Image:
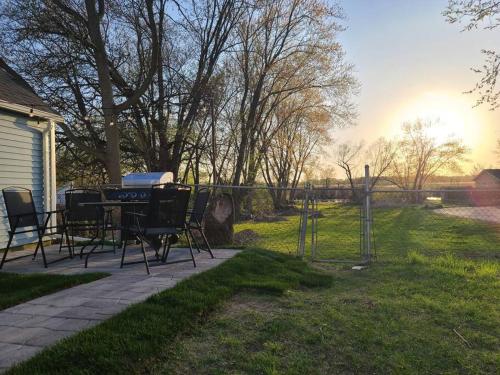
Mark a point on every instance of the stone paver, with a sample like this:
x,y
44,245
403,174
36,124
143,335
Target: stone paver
x,y
27,328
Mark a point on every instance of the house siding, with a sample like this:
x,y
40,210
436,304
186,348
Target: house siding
x,y
21,164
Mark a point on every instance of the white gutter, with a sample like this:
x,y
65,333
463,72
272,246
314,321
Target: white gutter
x,y
53,183
49,168
30,111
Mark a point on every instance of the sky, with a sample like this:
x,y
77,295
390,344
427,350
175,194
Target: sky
x,y
412,64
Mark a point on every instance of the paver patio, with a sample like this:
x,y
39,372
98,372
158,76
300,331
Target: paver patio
x,y
29,327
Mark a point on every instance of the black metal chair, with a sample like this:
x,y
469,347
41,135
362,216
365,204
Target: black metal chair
x,y
165,218
196,217
82,215
23,219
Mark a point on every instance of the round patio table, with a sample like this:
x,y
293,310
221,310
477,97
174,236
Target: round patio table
x,y
113,203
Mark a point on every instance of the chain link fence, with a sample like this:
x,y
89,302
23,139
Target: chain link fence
x,y
356,224
264,217
314,223
464,222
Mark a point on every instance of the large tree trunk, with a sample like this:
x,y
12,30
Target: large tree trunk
x,y
112,154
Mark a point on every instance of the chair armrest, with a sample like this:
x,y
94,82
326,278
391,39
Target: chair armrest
x,y
55,211
21,215
135,214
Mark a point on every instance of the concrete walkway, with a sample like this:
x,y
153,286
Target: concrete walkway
x,y
27,328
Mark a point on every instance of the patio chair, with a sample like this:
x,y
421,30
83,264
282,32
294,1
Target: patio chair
x,y
196,218
24,219
165,218
93,218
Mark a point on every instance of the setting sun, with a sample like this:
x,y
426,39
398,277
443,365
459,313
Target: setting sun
x,y
452,116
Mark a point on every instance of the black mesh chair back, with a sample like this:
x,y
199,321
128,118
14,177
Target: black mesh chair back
x,y
168,207
20,207
23,218
78,213
199,206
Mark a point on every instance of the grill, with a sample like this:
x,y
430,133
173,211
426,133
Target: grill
x,y
137,186
146,179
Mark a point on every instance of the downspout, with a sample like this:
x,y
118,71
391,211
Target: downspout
x,y
49,168
53,183
46,168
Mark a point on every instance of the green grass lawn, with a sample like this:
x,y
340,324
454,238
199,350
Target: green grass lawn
x,y
17,288
396,231
400,317
428,305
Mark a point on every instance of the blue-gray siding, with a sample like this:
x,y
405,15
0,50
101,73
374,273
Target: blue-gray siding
x,y
21,164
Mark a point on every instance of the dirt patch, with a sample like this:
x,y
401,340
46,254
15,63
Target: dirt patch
x,y
244,303
245,237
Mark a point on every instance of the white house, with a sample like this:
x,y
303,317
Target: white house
x,y
27,145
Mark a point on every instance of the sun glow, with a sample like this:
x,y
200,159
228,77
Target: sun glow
x,y
451,114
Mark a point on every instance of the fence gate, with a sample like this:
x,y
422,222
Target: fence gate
x,y
336,224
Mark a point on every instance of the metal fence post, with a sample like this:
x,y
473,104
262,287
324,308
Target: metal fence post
x,y
314,224
367,217
303,227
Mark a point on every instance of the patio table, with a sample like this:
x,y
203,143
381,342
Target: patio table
x,y
113,203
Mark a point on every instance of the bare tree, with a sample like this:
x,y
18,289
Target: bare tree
x,y
347,158
380,156
420,156
74,49
475,13
301,129
286,47
198,88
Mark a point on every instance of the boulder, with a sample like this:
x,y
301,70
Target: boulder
x,y
219,220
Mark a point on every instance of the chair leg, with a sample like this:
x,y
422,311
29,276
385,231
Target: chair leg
x,y
11,236
90,242
61,243
124,246
73,239
165,255
206,243
64,235
194,240
40,243
103,235
71,249
113,239
36,250
145,256
167,240
88,254
190,248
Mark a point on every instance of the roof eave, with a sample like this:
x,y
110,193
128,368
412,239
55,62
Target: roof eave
x,y
483,172
31,111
